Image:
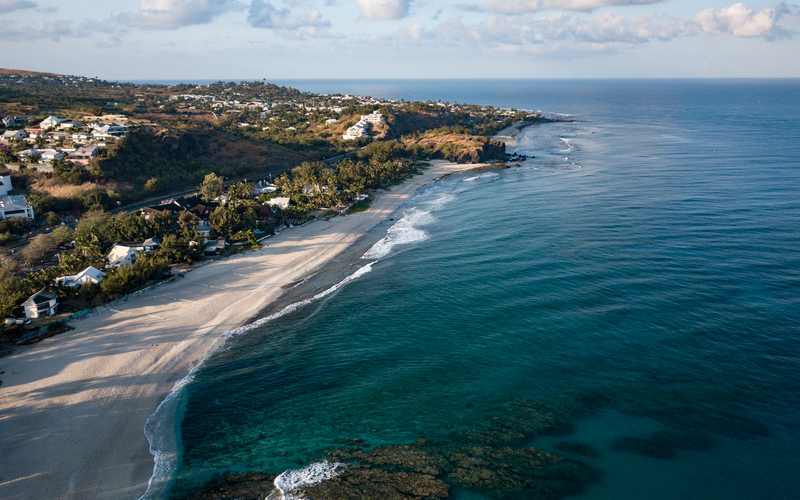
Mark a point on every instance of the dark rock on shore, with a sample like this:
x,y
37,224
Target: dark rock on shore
x,y
417,458
491,459
363,482
247,486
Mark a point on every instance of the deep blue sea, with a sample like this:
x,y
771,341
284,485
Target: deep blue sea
x,y
640,272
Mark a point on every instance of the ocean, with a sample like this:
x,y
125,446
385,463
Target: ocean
x,y
628,297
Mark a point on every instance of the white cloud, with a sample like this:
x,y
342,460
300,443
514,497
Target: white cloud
x,y
109,41
40,30
739,21
12,5
263,15
174,14
383,9
574,33
523,6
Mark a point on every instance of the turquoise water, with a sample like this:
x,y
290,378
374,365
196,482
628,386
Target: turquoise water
x,y
641,274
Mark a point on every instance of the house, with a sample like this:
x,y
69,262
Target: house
x,y
89,275
70,125
121,255
373,117
25,154
204,210
150,245
261,212
49,155
109,130
358,130
214,247
35,132
15,206
40,304
45,155
15,121
279,201
83,154
14,135
58,136
201,226
171,207
50,122
81,137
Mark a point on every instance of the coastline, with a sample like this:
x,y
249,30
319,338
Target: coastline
x,y
509,134
74,406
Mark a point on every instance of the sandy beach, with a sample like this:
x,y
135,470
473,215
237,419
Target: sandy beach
x,y
74,406
508,135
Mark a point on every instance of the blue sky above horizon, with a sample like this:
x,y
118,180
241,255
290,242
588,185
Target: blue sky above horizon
x,y
287,39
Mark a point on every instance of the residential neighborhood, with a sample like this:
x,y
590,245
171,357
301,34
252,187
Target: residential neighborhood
x,y
121,185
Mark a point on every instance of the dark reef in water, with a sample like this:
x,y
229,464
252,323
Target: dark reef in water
x,y
491,459
247,486
663,444
577,449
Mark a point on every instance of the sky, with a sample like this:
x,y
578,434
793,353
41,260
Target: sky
x,y
125,40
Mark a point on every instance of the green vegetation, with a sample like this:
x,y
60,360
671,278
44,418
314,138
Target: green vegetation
x,y
205,138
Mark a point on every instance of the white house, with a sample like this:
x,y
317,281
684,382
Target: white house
x,y
120,255
69,125
357,130
373,117
279,201
40,304
81,136
14,135
15,206
49,155
50,122
89,275
109,129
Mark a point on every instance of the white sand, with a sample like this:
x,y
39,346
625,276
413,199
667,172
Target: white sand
x,y
73,407
508,135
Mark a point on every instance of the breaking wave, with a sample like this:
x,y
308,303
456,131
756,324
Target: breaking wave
x,y
403,232
288,484
159,428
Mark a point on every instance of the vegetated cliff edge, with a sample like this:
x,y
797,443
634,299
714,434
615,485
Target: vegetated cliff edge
x,y
182,157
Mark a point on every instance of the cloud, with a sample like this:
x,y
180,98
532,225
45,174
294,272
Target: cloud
x,y
40,30
175,14
574,33
739,21
524,6
12,5
611,30
263,15
384,9
108,41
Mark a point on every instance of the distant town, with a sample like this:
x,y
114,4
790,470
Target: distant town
x,y
108,188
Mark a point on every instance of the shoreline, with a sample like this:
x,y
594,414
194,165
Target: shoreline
x,y
74,406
